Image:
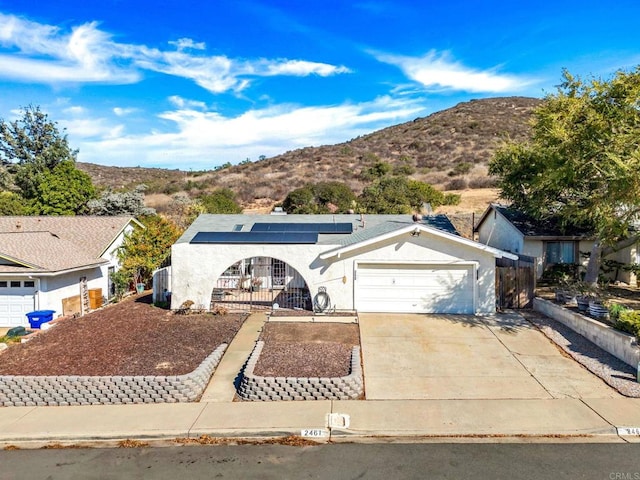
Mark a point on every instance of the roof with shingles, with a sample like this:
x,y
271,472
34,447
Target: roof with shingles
x,y
529,227
52,244
364,226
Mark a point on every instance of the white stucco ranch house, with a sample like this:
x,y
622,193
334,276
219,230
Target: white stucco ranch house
x,y
366,263
57,263
508,229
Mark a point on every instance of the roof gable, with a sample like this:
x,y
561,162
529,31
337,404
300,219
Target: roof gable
x,y
43,251
43,243
529,227
415,229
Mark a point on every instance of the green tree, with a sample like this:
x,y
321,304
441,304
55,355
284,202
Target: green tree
x,y
332,197
377,170
65,190
35,144
222,200
322,197
145,249
398,195
300,200
12,204
581,165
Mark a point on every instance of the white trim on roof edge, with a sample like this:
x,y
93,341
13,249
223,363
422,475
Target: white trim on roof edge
x,y
53,273
132,220
17,261
337,252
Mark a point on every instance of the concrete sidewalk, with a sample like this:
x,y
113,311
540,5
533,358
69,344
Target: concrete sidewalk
x,y
492,420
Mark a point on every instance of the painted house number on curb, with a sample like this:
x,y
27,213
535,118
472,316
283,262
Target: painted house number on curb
x,y
629,431
314,432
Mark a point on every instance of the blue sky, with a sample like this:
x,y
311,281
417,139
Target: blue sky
x,y
194,84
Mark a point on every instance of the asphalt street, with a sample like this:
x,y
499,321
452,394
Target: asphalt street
x,y
330,461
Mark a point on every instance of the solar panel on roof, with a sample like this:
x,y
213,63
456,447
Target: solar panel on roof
x,y
324,228
256,237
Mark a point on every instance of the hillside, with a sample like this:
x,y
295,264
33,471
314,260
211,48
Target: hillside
x,y
449,149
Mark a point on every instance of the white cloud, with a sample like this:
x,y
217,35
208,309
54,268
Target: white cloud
x,y
439,71
74,110
302,68
123,112
187,43
204,139
85,128
180,102
43,53
46,54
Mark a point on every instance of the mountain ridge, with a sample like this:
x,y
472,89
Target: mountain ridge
x,y
450,149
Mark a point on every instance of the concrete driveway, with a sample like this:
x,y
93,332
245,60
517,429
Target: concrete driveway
x,y
408,356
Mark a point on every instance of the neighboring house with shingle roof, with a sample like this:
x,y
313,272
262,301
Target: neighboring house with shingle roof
x,y
508,229
369,263
45,261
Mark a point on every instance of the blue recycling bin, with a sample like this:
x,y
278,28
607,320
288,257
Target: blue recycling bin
x,y
37,318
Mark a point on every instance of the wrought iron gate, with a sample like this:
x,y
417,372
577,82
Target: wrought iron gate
x,y
261,283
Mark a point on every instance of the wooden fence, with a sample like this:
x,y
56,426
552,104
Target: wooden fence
x,y
515,283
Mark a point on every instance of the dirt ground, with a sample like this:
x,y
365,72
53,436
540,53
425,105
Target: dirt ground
x,y
294,349
129,338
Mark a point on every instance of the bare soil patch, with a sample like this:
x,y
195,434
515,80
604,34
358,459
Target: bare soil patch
x,y
307,349
130,338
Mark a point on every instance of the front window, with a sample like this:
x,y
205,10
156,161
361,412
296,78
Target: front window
x,y
560,252
233,270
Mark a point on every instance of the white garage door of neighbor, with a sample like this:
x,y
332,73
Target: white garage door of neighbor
x,y
14,306
411,288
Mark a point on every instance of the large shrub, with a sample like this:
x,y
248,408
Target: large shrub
x,y
629,321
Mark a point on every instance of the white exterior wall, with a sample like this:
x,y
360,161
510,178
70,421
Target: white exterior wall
x,y
54,289
196,267
627,256
51,290
497,232
533,248
110,253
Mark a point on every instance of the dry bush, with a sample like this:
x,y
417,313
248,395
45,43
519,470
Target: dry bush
x,y
219,310
456,184
482,182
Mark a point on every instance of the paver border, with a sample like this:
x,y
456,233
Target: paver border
x,y
63,390
257,388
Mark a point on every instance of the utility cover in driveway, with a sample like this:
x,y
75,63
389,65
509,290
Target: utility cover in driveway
x,y
411,288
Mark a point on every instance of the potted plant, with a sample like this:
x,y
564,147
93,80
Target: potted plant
x,y
585,293
564,292
140,286
255,284
598,308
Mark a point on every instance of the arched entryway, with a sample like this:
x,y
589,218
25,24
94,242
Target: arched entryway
x,y
261,283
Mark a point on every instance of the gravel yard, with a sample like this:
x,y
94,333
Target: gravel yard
x,y
307,349
614,372
130,338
